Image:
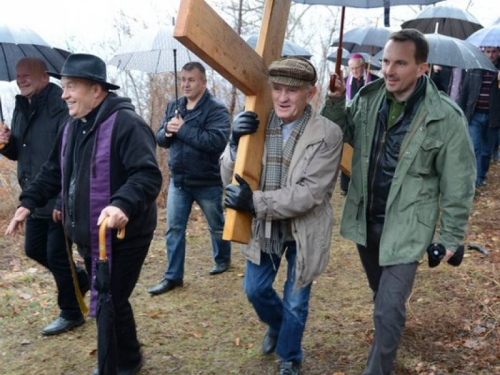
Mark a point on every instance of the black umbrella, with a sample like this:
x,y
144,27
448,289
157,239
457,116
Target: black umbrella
x,y
346,55
453,52
18,42
289,48
369,39
445,20
361,4
105,312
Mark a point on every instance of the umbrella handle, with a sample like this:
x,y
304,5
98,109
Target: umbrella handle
x,y
102,237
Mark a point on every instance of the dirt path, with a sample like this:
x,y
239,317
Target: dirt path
x,y
208,327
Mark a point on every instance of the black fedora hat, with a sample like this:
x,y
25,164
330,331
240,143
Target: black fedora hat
x,y
82,65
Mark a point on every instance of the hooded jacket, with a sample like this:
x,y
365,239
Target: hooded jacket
x,y
135,177
34,132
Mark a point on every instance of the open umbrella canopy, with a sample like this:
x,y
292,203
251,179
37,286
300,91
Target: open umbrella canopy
x,y
375,64
367,3
369,39
446,20
289,48
17,43
487,37
151,51
453,52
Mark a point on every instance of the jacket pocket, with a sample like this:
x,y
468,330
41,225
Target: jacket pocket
x,y
428,212
426,156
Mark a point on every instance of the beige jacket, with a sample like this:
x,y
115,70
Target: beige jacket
x,y
305,199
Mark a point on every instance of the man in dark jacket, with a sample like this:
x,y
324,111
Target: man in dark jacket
x,y
38,115
480,100
196,130
105,165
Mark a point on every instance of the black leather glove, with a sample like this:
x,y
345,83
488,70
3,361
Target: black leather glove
x,y
240,197
244,123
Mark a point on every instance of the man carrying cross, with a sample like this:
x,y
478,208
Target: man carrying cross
x,y
292,213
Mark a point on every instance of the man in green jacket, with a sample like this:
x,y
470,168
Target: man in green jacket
x,y
413,162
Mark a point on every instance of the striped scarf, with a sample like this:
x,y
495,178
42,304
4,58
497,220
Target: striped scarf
x,y
278,159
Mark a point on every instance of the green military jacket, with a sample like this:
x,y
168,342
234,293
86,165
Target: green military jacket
x,y
434,177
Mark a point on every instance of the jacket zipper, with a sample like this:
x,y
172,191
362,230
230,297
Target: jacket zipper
x,y
377,159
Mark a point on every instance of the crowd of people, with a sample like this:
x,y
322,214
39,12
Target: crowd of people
x,y
84,155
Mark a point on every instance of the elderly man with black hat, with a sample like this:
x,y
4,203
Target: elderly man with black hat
x,y
104,163
293,217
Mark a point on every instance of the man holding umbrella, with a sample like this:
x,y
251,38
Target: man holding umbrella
x,y
480,101
104,163
38,116
412,162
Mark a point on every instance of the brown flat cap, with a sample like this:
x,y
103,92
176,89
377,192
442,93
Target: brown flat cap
x,y
292,71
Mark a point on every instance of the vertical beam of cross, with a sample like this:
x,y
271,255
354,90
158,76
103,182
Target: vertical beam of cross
x,y
205,33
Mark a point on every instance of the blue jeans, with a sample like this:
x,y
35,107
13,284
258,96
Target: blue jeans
x,y
483,139
286,318
179,203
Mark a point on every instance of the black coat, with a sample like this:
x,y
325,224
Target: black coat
x,y
469,96
34,132
195,150
135,176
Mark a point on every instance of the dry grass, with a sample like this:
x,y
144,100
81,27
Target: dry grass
x,y
208,326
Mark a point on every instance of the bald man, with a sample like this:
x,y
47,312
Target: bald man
x,y
38,115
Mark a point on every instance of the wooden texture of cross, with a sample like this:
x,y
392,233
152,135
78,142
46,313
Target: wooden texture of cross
x,y
205,33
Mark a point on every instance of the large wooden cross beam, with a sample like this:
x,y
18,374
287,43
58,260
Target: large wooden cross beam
x,y
205,33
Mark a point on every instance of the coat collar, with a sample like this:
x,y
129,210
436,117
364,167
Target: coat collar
x,y
433,101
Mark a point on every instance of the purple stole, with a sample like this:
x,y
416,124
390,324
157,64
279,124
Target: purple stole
x,y
100,192
366,80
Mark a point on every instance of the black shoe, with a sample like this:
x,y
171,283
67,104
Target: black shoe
x,y
289,368
165,286
269,342
131,370
219,268
61,325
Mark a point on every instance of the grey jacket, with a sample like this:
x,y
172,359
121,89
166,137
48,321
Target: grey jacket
x,y
305,199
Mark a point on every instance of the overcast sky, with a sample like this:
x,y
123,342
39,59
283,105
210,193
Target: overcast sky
x,y
90,21
81,26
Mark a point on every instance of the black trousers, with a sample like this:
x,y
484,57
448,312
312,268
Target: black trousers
x,y
391,286
44,242
125,270
344,182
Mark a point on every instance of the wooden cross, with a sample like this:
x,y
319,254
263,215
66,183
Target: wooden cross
x,y
205,33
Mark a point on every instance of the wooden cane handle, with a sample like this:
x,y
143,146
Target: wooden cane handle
x,y
102,237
